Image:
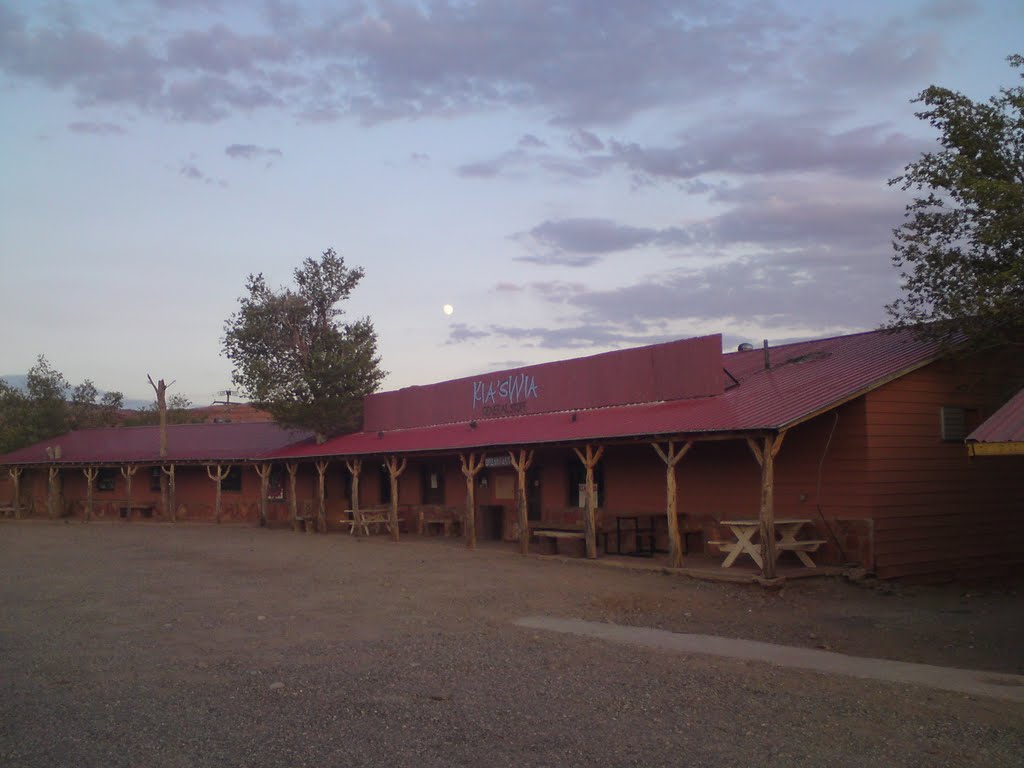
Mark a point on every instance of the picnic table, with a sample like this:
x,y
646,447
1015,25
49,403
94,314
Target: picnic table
x,y
365,519
786,531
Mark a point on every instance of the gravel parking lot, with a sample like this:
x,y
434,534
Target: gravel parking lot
x,y
199,645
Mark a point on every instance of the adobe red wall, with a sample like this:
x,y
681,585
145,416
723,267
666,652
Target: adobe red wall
x,y
937,511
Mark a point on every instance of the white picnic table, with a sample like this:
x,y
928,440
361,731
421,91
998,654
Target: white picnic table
x,y
786,530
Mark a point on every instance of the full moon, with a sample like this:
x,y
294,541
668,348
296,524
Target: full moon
x,y
447,309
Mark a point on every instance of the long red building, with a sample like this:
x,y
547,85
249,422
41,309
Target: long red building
x,y
862,436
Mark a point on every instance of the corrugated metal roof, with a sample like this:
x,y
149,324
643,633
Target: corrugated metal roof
x,y
1004,426
185,442
804,379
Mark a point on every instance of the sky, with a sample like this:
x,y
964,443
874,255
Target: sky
x,y
571,177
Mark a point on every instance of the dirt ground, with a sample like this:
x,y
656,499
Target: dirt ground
x,y
195,645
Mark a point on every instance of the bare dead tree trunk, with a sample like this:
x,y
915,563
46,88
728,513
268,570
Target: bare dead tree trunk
x,y
15,473
671,458
90,481
128,472
355,466
765,456
590,515
293,503
471,469
263,470
321,510
167,486
52,502
218,478
395,471
161,405
521,466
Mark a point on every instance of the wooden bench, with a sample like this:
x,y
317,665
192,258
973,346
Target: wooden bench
x,y
7,510
143,510
442,527
548,539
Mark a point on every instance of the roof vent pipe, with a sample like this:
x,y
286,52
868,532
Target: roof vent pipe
x,y
746,346
767,356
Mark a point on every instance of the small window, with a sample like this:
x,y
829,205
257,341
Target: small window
x,y
953,424
233,481
385,484
106,479
154,478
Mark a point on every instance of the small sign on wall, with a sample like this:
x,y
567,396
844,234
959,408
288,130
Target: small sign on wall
x,y
504,487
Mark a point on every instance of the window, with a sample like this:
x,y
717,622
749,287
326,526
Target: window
x,y
578,483
106,479
385,484
233,481
154,478
433,484
952,424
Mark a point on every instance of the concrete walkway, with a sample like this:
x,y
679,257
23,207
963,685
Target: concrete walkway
x,y
995,685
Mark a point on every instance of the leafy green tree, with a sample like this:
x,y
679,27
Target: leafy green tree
x,y
961,248
43,409
294,357
13,418
88,409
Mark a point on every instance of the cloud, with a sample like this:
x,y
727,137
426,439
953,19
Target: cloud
x,y
191,171
579,63
529,141
585,142
945,10
251,151
772,145
787,257
461,332
800,212
96,128
220,51
579,242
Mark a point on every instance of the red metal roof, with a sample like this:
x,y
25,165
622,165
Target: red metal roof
x,y
185,443
1004,426
804,379
671,371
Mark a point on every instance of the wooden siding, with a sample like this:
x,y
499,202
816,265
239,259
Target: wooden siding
x,y
938,512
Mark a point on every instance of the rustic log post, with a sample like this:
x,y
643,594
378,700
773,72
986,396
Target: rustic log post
x,y
160,388
590,516
218,478
321,510
471,469
521,466
395,471
355,467
263,470
293,503
15,473
52,502
167,490
90,481
128,472
766,458
671,458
